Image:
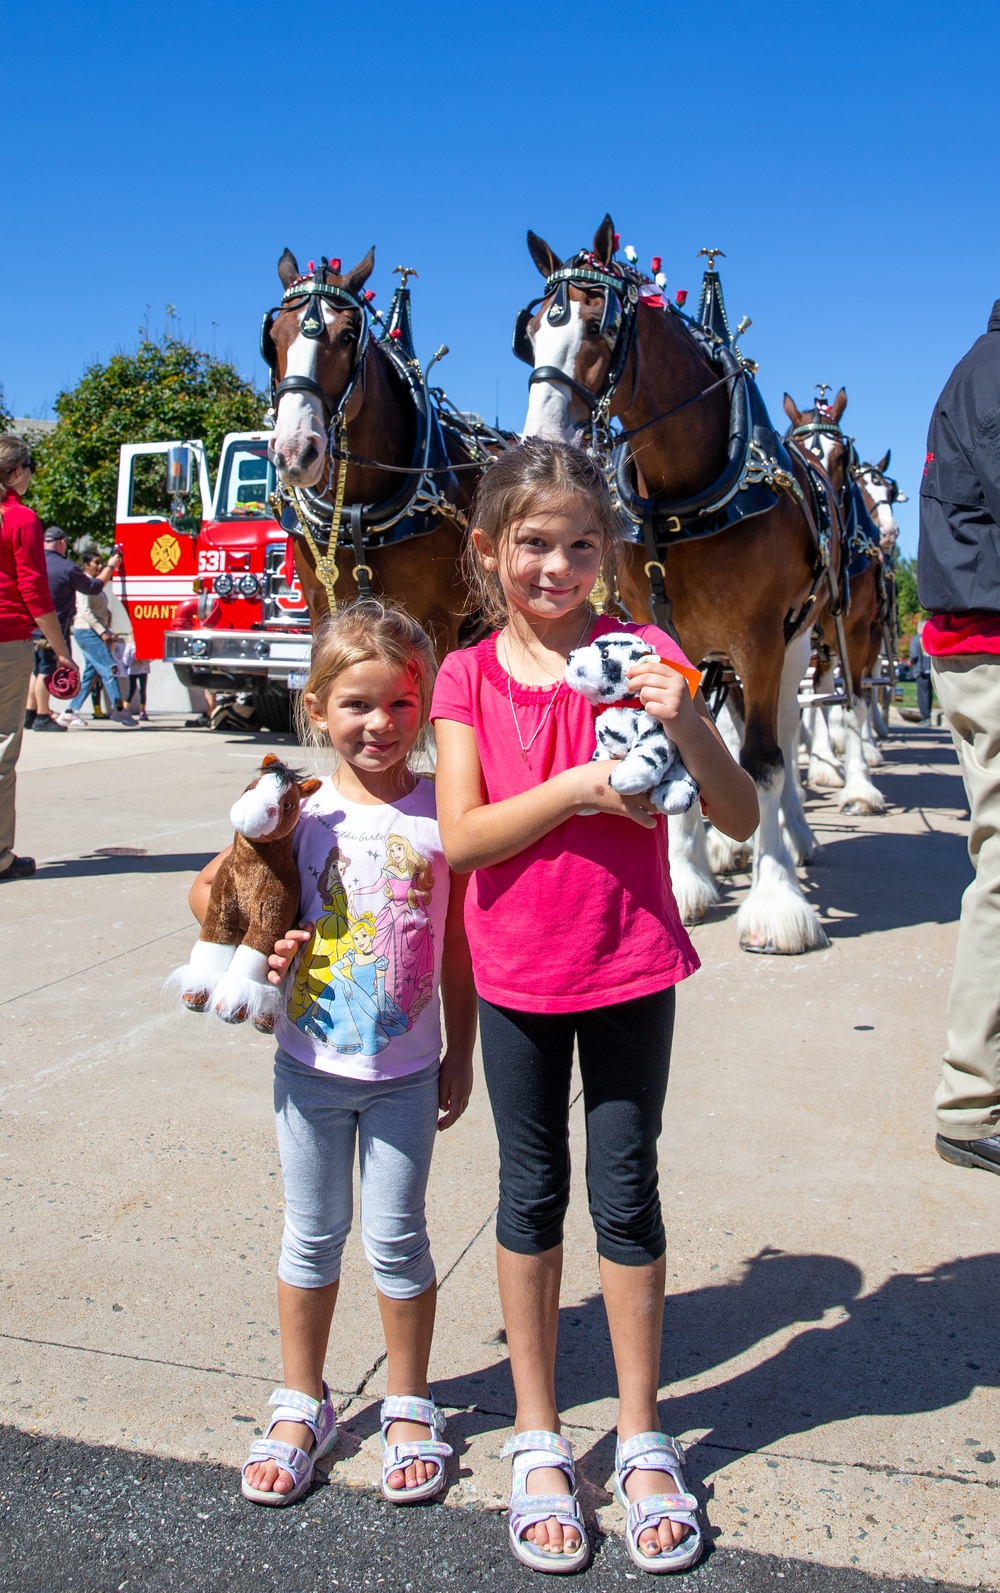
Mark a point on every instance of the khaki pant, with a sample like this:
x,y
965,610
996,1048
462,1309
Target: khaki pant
x,y
16,663
968,1097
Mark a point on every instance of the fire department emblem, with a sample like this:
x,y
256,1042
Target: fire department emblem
x,y
165,554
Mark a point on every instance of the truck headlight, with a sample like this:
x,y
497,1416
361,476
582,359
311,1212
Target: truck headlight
x,y
249,586
223,585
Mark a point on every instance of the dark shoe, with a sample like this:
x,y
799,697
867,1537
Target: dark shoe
x,y
984,1153
43,722
29,718
201,723
19,868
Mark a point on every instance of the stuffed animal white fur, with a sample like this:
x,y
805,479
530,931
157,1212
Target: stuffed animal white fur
x,y
649,761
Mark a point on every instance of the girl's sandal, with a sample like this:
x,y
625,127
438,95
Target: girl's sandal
x,y
529,1451
657,1452
290,1406
432,1451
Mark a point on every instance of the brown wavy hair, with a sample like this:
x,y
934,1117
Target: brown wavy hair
x,y
14,455
537,471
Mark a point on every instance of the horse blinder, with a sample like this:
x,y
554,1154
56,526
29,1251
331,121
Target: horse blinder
x,y
268,352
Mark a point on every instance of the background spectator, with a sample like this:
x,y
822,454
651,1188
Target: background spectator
x,y
138,675
25,602
920,668
93,635
66,579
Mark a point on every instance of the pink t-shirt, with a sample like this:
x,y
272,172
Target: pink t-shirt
x,y
586,916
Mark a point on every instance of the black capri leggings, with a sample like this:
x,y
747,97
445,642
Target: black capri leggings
x,y
624,1061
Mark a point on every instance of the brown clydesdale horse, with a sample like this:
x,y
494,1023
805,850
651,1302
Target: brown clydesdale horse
x,y
733,592
817,434
339,391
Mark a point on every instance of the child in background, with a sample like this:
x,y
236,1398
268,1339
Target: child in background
x,y
575,938
353,1066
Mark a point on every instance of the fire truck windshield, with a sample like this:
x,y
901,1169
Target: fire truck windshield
x,y
246,481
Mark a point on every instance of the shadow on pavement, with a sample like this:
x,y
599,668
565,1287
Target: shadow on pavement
x,y
149,863
888,881
919,1342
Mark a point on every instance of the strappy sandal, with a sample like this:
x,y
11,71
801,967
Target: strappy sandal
x,y
432,1451
290,1406
529,1451
657,1452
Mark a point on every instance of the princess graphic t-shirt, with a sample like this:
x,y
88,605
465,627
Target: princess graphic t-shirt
x,y
361,998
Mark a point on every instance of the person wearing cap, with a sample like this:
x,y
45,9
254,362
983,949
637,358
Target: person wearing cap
x,y
25,602
95,638
65,580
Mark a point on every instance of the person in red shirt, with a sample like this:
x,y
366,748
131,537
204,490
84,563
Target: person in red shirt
x,y
25,602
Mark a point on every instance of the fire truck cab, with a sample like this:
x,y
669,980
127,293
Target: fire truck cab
x,y
207,576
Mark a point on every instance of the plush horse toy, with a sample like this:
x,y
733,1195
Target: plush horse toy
x,y
254,900
649,761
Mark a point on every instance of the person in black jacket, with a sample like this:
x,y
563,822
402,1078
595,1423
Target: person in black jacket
x,y
958,580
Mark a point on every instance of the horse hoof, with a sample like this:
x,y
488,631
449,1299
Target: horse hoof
x,y
196,1000
237,1015
265,1023
761,948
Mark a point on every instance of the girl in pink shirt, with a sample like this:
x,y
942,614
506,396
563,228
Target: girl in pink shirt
x,y
575,938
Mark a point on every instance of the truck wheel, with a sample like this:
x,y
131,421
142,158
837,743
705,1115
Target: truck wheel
x,y
273,706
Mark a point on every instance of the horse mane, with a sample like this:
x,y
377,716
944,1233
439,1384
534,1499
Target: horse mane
x,y
289,775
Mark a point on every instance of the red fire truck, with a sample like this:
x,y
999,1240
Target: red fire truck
x,y
207,576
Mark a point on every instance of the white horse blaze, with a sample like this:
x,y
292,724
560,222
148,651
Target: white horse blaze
x,y
256,813
300,420
549,402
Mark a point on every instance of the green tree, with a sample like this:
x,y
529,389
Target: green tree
x,y
910,610
164,389
6,418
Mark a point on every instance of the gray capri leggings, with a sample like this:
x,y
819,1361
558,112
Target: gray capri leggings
x,y
318,1116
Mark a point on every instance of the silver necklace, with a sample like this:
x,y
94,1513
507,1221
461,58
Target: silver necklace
x,y
526,747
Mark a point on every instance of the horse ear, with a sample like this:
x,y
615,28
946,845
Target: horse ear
x,y
288,268
545,260
604,241
355,280
307,787
883,463
268,760
839,405
795,415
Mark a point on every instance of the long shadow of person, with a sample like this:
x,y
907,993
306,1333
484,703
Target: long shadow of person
x,y
920,1342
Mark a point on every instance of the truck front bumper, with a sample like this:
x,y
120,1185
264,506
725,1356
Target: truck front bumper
x,y
276,654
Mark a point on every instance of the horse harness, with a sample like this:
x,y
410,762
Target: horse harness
x,y
617,326
320,517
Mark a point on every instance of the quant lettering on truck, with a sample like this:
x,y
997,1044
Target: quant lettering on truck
x,y
212,589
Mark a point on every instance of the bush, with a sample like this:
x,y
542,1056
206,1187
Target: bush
x,y
910,610
166,389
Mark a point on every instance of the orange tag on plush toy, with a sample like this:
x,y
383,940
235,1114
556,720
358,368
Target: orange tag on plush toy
x,y
691,675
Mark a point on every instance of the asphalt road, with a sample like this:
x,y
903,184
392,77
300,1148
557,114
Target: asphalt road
x,y
90,1519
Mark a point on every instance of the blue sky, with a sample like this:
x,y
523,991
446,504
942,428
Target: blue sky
x,y
844,157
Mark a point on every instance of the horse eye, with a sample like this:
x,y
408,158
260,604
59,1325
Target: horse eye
x,y
347,338
594,327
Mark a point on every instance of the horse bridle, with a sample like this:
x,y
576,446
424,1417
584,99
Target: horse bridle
x,y
879,479
617,327
312,291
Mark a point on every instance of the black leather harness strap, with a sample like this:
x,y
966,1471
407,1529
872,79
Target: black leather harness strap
x,y
362,571
659,602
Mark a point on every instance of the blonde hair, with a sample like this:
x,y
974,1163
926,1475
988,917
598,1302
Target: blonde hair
x,y
371,629
421,871
364,921
536,472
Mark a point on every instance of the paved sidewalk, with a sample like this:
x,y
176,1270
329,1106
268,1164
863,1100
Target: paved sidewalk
x,y
831,1351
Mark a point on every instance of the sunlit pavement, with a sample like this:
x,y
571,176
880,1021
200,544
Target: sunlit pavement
x,y
831,1351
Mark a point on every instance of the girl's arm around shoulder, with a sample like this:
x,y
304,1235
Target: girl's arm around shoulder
x,y
727,791
476,833
458,1005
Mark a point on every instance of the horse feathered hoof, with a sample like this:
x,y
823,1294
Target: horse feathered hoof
x,y
196,1000
264,1024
